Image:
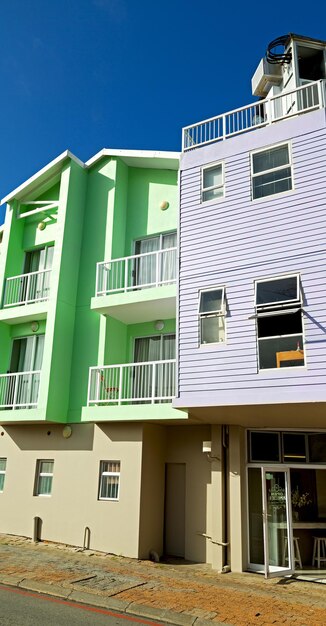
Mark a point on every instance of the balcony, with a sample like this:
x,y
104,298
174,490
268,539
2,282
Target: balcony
x,y
153,381
138,288
262,113
19,390
132,391
24,297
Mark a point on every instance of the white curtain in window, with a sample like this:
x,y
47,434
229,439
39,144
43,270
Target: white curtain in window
x,y
145,267
169,259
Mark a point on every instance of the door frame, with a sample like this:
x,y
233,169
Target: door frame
x,y
274,571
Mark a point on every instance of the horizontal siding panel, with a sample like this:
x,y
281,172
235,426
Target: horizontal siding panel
x,y
235,241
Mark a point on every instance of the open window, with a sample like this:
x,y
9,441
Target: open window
x,y
212,316
279,322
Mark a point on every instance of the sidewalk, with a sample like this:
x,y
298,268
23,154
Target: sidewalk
x,y
182,594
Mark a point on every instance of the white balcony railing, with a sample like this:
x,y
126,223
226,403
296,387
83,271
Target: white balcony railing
x,y
301,100
131,383
19,390
27,288
140,271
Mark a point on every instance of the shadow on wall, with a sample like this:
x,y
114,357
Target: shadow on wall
x,y
122,432
50,437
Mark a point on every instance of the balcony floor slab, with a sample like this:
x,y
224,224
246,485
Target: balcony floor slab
x,y
132,413
139,305
24,313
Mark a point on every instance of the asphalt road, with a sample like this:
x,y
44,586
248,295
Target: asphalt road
x,y
25,608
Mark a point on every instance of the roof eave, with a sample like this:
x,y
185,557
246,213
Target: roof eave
x,y
50,168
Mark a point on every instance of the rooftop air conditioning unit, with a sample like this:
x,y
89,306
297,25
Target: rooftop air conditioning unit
x,y
264,77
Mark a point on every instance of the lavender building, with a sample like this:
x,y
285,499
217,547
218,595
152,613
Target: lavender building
x,y
252,314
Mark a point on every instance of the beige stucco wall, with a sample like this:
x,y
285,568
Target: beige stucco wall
x,y
203,498
237,500
152,490
73,504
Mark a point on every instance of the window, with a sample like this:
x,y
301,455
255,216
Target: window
x,y
109,480
3,465
271,171
212,316
279,323
44,477
213,182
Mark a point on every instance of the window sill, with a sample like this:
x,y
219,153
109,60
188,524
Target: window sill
x,y
211,202
283,369
215,345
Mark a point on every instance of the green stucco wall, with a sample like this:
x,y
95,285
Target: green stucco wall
x,y
101,212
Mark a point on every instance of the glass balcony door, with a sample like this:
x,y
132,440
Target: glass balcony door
x,y
155,268
26,357
151,350
38,261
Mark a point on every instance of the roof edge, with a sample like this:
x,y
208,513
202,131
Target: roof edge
x,y
47,168
144,154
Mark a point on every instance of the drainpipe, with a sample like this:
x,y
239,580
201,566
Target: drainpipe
x,y
225,486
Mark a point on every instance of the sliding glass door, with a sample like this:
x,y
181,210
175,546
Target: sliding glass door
x,y
154,379
152,269
26,357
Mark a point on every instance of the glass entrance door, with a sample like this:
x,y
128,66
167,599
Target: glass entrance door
x,y
277,522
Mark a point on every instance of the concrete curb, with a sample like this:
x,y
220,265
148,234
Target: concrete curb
x,y
112,604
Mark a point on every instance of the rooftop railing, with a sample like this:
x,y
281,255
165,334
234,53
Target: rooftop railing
x,y
139,271
132,383
287,104
27,288
19,390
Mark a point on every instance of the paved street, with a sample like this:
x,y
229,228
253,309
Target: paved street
x,y
18,607
184,594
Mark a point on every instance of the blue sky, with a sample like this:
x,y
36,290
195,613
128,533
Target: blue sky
x,y
89,74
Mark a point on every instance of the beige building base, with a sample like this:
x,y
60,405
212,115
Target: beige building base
x,y
170,498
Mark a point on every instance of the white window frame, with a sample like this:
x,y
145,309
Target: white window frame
x,y
271,305
218,313
40,475
3,472
280,308
212,187
108,473
274,169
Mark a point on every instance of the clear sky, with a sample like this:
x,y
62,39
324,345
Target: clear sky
x,y
87,74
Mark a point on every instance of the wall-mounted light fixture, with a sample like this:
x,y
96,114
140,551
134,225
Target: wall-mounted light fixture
x,y
207,449
164,205
34,327
41,225
159,325
67,432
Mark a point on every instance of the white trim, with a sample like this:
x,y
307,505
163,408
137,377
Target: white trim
x,y
132,154
39,475
268,305
3,472
47,169
206,314
108,473
203,190
273,169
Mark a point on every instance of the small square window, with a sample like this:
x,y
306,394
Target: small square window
x,y
109,480
271,171
44,477
3,465
264,446
213,182
212,316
